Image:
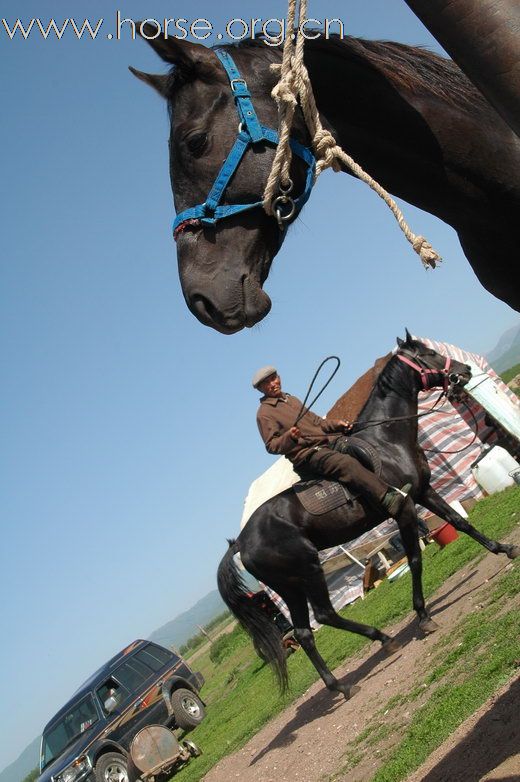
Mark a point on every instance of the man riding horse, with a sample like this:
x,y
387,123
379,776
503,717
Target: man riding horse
x,y
314,445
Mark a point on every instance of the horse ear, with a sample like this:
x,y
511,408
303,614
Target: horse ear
x,y
400,342
189,57
409,337
155,80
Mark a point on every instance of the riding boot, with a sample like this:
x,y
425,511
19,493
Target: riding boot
x,y
394,500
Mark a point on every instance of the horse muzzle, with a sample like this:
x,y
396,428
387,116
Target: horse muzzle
x,y
457,381
228,309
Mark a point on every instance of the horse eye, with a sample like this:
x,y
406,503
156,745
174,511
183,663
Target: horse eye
x,y
197,143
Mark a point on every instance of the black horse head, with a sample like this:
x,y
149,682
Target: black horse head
x,y
223,266
433,369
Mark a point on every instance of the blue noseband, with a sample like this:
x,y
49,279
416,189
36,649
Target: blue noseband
x,y
250,132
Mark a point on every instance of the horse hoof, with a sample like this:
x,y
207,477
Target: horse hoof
x,y
513,552
391,647
428,626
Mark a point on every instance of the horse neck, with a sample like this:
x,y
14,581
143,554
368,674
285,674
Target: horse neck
x,y
396,133
394,397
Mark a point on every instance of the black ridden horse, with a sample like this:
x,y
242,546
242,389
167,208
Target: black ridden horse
x,y
279,545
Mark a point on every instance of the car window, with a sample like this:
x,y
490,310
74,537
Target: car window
x,y
132,674
76,721
114,689
154,657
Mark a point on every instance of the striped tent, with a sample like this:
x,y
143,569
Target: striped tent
x,y
453,435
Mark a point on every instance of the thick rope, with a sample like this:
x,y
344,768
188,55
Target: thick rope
x,y
294,85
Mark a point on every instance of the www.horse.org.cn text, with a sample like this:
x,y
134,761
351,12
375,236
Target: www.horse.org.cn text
x,y
271,31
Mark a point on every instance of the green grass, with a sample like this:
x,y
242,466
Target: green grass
x,y
241,692
225,646
199,639
509,374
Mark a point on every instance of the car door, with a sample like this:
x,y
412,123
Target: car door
x,y
138,697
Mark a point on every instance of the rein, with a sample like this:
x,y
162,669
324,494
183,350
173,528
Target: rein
x,y
378,422
425,373
251,133
464,447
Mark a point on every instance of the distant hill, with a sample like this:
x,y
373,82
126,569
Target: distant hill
x,y
28,760
178,630
506,353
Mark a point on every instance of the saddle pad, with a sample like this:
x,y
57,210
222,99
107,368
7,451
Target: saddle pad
x,y
320,496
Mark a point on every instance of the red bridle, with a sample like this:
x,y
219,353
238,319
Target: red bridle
x,y
425,373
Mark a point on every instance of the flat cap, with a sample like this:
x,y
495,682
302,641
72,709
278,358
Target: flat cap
x,y
262,374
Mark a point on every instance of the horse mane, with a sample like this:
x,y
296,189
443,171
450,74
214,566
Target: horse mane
x,y
414,68
391,379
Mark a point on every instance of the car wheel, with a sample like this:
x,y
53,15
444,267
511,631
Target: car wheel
x,y
111,767
188,709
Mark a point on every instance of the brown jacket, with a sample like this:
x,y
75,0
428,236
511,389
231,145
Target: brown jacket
x,y
276,415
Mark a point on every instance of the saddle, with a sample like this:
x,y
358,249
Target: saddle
x,y
319,495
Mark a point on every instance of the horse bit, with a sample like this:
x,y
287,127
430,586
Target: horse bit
x,y
250,133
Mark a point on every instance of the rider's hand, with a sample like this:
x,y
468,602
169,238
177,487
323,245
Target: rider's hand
x,y
294,432
346,425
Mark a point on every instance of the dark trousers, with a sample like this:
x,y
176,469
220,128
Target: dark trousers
x,y
336,466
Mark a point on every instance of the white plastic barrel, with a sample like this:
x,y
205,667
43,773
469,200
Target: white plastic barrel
x,y
494,471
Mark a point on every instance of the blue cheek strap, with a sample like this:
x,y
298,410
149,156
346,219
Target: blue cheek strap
x,y
250,132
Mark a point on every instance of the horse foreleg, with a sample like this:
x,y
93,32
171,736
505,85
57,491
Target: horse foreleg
x,y
434,502
410,537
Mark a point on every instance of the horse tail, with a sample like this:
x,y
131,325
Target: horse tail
x,y
266,638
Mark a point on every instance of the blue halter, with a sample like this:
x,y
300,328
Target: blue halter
x,y
250,132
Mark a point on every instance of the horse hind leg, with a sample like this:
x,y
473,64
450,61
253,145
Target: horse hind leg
x,y
318,594
297,604
434,502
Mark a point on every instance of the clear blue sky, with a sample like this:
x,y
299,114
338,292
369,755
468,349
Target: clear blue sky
x,y
129,436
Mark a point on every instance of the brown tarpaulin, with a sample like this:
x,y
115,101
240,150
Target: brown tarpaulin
x,y
353,401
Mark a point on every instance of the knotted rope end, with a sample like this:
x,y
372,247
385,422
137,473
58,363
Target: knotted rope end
x,y
430,258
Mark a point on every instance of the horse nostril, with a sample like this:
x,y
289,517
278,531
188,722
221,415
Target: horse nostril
x,y
210,315
202,308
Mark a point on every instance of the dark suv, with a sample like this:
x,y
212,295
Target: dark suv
x,y
90,736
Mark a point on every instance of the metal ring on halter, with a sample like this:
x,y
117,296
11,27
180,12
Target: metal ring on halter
x,y
277,209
